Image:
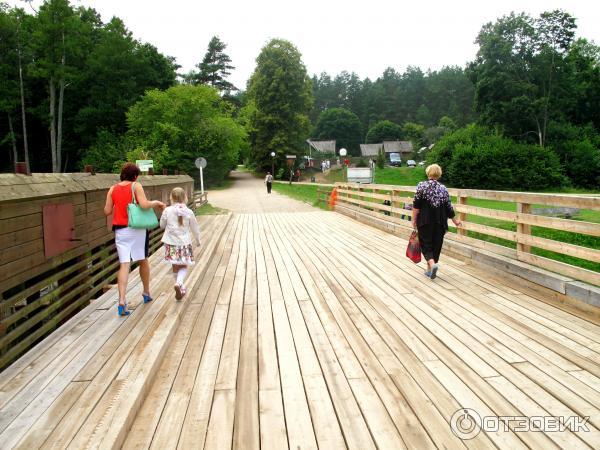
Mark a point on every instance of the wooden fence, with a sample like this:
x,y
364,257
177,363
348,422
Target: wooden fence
x,y
391,203
200,199
58,249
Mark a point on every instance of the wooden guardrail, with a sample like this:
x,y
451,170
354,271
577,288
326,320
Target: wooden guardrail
x,y
58,250
524,235
200,198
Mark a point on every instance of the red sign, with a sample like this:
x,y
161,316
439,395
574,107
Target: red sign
x,y
59,228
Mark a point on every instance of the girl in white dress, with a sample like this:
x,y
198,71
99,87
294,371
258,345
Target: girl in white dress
x,y
180,224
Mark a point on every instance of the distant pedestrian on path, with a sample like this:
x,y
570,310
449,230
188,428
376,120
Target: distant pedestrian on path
x,y
431,210
179,223
132,244
269,182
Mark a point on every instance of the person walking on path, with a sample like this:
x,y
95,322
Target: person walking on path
x,y
179,223
269,182
431,210
132,244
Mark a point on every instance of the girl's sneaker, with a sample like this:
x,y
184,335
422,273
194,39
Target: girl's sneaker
x,y
178,291
183,291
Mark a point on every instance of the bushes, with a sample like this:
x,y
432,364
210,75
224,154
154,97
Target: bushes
x,y
473,157
175,126
578,149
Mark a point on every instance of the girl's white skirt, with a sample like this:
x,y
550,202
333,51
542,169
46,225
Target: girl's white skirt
x,y
131,244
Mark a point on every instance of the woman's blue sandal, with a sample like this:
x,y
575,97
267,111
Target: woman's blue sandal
x,y
123,311
147,298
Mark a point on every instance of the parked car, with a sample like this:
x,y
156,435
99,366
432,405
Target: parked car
x,y
411,163
395,159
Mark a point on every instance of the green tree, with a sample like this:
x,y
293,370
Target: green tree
x,y
520,72
281,92
56,46
341,125
117,72
385,131
176,126
414,132
215,67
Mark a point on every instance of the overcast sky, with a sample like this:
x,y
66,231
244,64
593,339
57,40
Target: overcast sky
x,y
333,35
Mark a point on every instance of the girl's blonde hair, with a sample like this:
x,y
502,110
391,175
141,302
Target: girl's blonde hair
x,y
178,195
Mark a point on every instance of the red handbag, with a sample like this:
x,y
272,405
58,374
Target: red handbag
x,y
413,249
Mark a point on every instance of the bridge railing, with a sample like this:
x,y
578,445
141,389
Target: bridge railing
x,y
58,250
556,232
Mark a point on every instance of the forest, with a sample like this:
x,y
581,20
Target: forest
x,y
523,114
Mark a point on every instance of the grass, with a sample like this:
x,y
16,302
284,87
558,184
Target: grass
x,y
402,176
225,184
303,192
209,210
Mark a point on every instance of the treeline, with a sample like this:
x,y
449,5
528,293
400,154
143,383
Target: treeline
x,y
74,90
413,96
532,90
65,78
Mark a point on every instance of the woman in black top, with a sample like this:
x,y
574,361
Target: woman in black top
x,y
431,210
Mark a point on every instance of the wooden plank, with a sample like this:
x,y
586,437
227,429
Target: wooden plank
x,y
21,237
147,420
404,419
300,429
530,408
352,422
487,393
486,212
576,251
273,434
112,418
144,426
568,270
178,401
246,427
573,226
466,396
195,425
42,427
491,231
228,365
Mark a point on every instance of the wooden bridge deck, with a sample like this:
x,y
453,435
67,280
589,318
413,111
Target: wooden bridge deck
x,y
309,330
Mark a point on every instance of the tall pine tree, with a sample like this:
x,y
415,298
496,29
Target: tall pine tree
x,y
215,67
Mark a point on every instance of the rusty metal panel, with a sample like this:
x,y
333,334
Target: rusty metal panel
x,y
59,228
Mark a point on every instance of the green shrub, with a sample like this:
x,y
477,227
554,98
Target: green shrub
x,y
582,163
380,162
474,157
362,162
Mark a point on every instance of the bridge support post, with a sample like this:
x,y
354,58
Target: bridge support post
x,y
523,229
462,200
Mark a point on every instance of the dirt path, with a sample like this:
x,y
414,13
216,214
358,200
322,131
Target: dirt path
x,y
248,194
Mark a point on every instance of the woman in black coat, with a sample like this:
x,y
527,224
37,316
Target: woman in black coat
x,y
431,210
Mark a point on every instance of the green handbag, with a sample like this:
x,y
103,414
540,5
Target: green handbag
x,y
139,217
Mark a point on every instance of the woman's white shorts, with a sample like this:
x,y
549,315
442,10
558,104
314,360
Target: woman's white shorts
x,y
131,244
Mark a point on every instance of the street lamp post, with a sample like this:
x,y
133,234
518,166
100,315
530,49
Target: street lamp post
x,y
343,153
273,164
